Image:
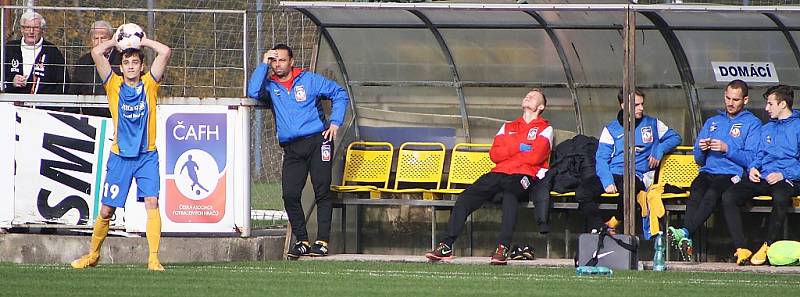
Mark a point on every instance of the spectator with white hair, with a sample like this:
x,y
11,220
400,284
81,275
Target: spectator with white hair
x,y
34,65
86,81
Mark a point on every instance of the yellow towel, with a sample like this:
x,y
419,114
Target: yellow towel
x,y
641,198
654,202
655,207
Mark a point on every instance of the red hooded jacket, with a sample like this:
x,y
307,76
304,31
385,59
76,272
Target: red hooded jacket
x,y
508,157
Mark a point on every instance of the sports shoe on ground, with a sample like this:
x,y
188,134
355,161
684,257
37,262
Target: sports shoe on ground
x,y
527,252
154,265
686,248
319,249
521,252
300,248
500,256
86,261
612,224
441,252
680,240
742,256
675,235
760,257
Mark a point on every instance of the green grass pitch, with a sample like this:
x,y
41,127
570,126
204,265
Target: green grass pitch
x,y
334,279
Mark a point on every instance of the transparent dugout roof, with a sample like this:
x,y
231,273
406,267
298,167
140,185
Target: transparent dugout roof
x,y
575,51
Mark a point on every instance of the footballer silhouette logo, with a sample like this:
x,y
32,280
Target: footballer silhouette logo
x,y
196,174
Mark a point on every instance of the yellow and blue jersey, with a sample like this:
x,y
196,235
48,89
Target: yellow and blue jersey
x,y
133,111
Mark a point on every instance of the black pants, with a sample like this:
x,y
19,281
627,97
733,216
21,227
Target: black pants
x,y
705,193
588,197
483,190
299,158
735,197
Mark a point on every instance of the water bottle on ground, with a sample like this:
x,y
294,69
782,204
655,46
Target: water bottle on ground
x,y
593,270
659,261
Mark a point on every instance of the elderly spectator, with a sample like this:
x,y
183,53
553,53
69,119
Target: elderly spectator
x,y
86,81
32,64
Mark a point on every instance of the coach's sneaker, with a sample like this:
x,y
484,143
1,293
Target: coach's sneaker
x,y
154,265
442,251
319,249
742,256
300,248
760,257
500,256
86,261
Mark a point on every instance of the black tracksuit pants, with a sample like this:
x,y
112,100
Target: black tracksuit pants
x,y
301,157
735,197
482,191
704,194
588,197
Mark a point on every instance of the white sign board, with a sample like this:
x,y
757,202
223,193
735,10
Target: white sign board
x,y
746,71
59,166
7,135
195,148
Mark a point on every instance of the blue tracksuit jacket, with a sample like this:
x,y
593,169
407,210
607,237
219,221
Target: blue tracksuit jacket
x,y
653,138
298,112
779,148
740,133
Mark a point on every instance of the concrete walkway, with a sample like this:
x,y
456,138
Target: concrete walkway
x,y
647,265
50,249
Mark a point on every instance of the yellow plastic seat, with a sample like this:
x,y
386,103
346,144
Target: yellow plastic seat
x,y
367,166
468,162
418,162
679,171
572,194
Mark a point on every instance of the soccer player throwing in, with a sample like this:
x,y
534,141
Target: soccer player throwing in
x,y
132,100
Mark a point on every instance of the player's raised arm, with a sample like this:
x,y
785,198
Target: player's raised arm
x,y
100,60
163,54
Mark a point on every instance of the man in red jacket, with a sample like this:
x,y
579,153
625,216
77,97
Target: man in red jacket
x,y
521,151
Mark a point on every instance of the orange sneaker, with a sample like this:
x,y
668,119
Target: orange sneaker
x,y
742,256
760,257
86,261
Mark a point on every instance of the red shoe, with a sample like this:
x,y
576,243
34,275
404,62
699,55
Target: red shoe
x,y
500,256
441,252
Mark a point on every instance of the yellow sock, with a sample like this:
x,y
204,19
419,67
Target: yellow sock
x,y
153,231
99,234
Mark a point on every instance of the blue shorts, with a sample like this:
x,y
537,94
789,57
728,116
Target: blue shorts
x,y
120,172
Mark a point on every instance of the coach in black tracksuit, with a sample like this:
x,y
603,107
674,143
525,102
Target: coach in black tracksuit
x,y
32,64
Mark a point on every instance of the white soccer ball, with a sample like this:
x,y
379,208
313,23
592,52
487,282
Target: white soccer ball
x,y
129,36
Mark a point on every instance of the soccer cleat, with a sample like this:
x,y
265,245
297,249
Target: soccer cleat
x,y
611,225
742,256
86,261
516,252
300,248
686,248
675,236
527,252
441,252
500,256
679,239
760,257
319,249
154,265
